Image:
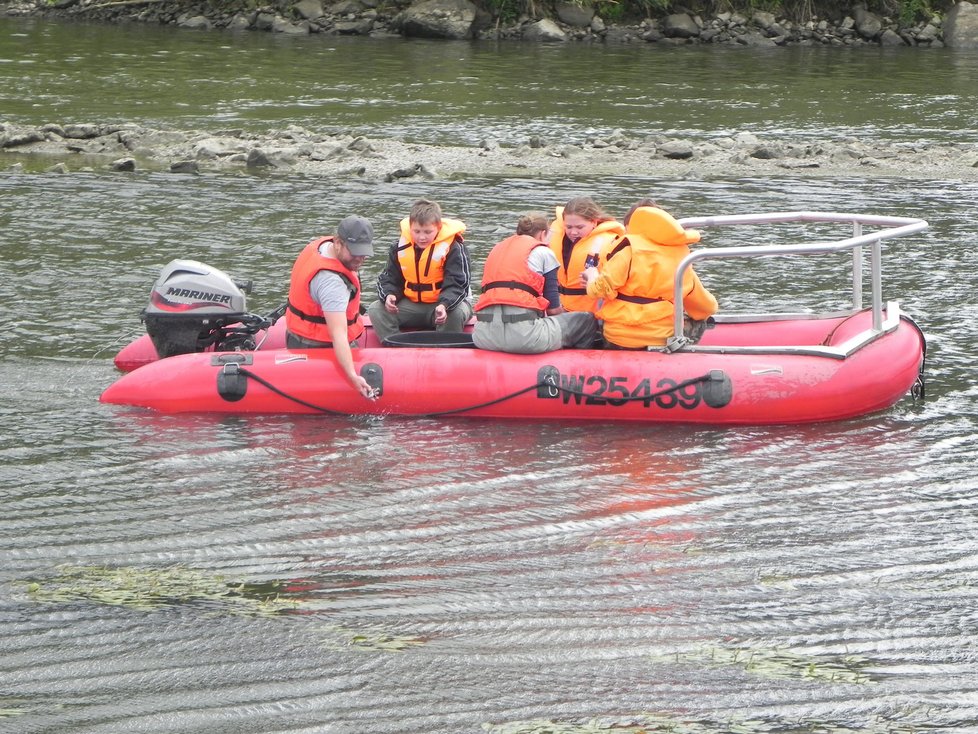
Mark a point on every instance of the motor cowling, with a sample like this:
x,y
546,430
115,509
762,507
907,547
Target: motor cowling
x,y
193,307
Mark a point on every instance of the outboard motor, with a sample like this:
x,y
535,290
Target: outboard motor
x,y
193,307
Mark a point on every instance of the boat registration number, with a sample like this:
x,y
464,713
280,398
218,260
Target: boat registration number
x,y
713,389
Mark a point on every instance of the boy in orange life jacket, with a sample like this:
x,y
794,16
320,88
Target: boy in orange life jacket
x,y
324,296
426,283
636,280
519,310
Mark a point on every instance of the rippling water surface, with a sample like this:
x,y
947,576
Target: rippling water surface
x,y
312,574
464,92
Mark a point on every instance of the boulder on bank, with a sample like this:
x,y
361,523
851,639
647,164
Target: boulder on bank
x,y
543,30
451,19
961,26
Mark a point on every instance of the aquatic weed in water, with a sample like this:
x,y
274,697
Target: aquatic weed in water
x,y
150,589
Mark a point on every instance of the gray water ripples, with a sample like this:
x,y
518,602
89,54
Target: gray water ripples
x,y
264,574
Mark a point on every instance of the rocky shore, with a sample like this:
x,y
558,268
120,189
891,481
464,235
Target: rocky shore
x,y
125,148
562,21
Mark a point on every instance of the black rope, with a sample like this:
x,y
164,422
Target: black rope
x,y
495,401
485,404
293,398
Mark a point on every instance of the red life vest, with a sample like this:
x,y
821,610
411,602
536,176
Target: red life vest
x,y
507,278
304,316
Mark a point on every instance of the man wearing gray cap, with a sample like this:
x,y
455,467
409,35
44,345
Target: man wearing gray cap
x,y
324,296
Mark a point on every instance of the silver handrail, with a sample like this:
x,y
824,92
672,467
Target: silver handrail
x,y
893,227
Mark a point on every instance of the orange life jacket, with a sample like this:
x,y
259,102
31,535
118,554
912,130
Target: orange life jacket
x,y
424,270
304,316
573,296
642,311
507,278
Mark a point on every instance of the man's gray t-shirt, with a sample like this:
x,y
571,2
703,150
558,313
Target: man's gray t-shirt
x,y
330,289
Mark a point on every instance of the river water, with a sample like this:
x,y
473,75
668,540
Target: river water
x,y
314,574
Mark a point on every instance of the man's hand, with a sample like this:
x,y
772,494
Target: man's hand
x,y
364,387
441,314
390,303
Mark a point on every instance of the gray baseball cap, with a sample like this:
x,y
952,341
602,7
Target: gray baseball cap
x,y
357,235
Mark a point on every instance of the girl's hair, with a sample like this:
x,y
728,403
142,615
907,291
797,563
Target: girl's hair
x,y
637,205
425,211
532,223
584,206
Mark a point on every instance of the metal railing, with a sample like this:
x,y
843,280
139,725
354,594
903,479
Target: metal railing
x,y
892,227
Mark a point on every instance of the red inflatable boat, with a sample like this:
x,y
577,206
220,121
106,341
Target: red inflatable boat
x,y
776,368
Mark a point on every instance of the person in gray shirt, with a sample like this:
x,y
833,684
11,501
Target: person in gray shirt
x,y
323,311
519,310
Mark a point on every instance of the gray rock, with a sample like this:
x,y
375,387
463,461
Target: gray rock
x,y
123,164
408,172
326,152
961,26
241,22
15,138
58,168
762,19
796,164
891,38
50,128
309,9
360,27
216,148
680,25
543,30
767,152
198,22
142,138
929,33
347,7
752,38
185,167
454,19
676,149
281,25
867,24
82,132
361,144
574,14
264,21
258,159
652,35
